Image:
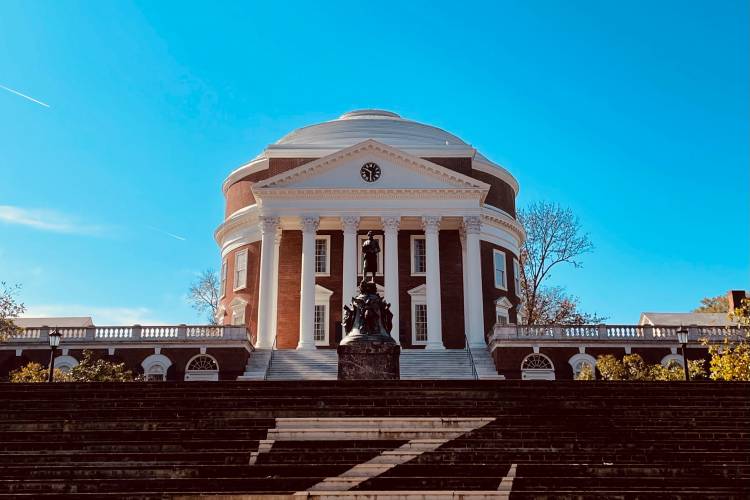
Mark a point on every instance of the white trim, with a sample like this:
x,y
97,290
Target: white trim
x,y
153,361
418,296
223,278
537,373
412,239
582,358
361,239
239,282
504,284
323,298
327,238
517,276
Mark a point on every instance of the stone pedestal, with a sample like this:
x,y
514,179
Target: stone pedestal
x,y
369,361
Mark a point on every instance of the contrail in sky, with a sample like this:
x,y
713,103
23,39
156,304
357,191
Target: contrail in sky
x,y
25,96
167,233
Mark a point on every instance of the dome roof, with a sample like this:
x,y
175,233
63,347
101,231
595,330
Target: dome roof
x,y
383,126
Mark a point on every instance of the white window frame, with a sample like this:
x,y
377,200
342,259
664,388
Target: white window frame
x,y
418,297
361,239
517,276
504,284
502,309
413,253
65,363
223,278
240,282
202,375
535,373
323,298
156,362
327,239
672,357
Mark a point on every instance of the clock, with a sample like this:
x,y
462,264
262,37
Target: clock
x,y
370,172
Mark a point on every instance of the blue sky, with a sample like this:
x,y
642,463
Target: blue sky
x,y
634,114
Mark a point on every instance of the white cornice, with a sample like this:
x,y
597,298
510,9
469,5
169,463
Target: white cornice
x,y
497,171
255,165
501,219
359,194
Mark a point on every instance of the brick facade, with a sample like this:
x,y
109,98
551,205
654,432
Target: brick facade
x,y
489,292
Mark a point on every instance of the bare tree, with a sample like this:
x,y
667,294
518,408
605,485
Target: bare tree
x,y
553,236
10,308
204,294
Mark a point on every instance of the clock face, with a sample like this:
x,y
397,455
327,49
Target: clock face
x,y
370,172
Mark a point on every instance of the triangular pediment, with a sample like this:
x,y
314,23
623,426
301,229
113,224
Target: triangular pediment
x,y
342,171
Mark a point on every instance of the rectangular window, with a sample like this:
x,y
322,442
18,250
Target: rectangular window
x,y
517,276
502,317
240,270
418,255
498,260
420,322
361,239
223,285
320,324
322,255
238,315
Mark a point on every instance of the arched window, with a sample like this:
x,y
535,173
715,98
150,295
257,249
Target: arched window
x,y
669,358
579,360
155,367
202,367
65,363
537,367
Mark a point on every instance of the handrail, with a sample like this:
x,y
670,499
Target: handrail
x,y
250,338
471,357
270,360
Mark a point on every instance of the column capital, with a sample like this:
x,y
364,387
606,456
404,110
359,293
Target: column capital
x,y
269,224
391,223
309,223
472,224
350,223
431,223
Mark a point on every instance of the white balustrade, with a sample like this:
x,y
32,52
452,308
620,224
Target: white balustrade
x,y
113,332
159,332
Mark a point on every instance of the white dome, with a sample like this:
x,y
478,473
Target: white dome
x,y
383,126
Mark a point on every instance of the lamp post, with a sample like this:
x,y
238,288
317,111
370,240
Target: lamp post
x,y
54,342
682,338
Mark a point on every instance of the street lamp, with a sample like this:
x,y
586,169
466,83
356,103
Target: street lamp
x,y
54,342
682,338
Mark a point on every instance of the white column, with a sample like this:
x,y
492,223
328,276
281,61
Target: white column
x,y
268,277
307,283
349,280
431,225
275,281
464,274
390,227
474,310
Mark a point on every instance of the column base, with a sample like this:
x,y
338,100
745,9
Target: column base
x,y
434,346
306,347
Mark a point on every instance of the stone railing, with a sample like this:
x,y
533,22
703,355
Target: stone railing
x,y
135,333
629,333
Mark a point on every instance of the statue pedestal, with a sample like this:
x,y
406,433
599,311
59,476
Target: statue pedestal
x,y
369,361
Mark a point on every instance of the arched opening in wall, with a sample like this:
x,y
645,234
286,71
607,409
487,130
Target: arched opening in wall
x,y
65,363
578,362
672,358
155,367
202,367
537,367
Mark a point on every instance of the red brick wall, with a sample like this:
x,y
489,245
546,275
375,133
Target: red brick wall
x,y
406,282
489,292
501,194
250,292
290,269
334,282
451,284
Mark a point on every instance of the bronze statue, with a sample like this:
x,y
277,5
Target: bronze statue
x,y
370,251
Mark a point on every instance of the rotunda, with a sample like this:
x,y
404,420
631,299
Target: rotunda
x,y
296,215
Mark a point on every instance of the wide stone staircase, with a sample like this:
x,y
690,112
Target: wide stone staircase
x,y
408,439
416,364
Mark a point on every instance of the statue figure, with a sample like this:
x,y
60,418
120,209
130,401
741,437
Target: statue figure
x,y
370,251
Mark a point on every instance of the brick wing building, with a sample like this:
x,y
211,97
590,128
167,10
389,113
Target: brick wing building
x,y
296,215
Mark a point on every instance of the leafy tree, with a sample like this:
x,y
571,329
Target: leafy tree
x,y
718,304
10,308
633,367
35,372
204,295
586,373
89,369
553,236
731,359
